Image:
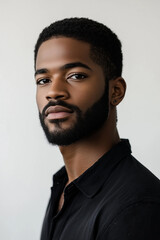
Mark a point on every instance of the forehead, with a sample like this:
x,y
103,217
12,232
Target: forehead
x,y
61,50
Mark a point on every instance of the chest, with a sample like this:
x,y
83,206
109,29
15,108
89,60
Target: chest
x,y
61,202
78,218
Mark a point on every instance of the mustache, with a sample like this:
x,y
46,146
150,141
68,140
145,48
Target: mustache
x,y
60,103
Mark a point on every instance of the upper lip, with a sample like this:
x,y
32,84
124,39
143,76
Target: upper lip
x,y
57,108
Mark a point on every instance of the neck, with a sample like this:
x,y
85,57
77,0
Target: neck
x,y
81,155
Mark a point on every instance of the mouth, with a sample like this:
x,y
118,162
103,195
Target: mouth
x,y
57,112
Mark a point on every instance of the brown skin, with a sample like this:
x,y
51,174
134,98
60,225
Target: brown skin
x,y
62,84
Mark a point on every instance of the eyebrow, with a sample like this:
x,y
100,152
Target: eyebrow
x,y
74,64
41,71
64,67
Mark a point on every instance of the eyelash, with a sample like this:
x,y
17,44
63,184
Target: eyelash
x,y
38,82
78,76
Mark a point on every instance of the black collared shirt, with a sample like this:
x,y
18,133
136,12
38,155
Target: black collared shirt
x,y
115,199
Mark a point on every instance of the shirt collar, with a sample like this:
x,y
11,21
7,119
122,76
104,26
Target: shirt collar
x,y
90,182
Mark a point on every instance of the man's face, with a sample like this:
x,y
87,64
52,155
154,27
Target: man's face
x,y
72,95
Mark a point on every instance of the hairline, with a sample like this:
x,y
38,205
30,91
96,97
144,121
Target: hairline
x,y
92,50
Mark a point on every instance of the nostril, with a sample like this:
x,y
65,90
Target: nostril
x,y
59,96
56,97
57,92
48,98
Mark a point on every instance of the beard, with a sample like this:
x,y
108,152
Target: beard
x,y
85,125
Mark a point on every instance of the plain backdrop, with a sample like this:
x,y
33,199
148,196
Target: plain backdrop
x,y
27,161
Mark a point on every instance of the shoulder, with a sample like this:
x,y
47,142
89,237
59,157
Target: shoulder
x,y
135,180
139,220
133,195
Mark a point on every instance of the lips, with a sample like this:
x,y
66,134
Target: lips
x,y
57,112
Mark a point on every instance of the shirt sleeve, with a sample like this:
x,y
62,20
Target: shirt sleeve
x,y
140,221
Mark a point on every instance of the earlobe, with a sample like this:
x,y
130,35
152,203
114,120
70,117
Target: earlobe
x,y
118,89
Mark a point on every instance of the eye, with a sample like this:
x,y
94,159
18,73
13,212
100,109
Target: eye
x,y
43,81
77,76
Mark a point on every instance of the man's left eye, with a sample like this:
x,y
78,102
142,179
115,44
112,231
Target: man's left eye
x,y
77,76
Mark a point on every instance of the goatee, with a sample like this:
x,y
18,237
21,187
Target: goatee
x,y
85,125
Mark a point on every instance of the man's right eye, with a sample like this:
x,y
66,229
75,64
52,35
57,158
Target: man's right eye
x,y
42,81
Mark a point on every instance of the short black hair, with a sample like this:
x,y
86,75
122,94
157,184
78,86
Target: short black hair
x,y
105,45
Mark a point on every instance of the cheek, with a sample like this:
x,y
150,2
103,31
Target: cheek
x,y
40,100
86,97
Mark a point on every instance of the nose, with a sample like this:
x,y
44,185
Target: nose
x,y
57,90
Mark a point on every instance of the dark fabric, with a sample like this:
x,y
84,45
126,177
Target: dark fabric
x,y
115,199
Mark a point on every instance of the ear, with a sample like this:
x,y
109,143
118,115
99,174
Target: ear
x,y
117,90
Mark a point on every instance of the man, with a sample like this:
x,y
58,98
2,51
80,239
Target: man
x,y
103,192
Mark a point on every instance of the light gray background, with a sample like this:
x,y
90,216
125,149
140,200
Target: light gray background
x,y
27,161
